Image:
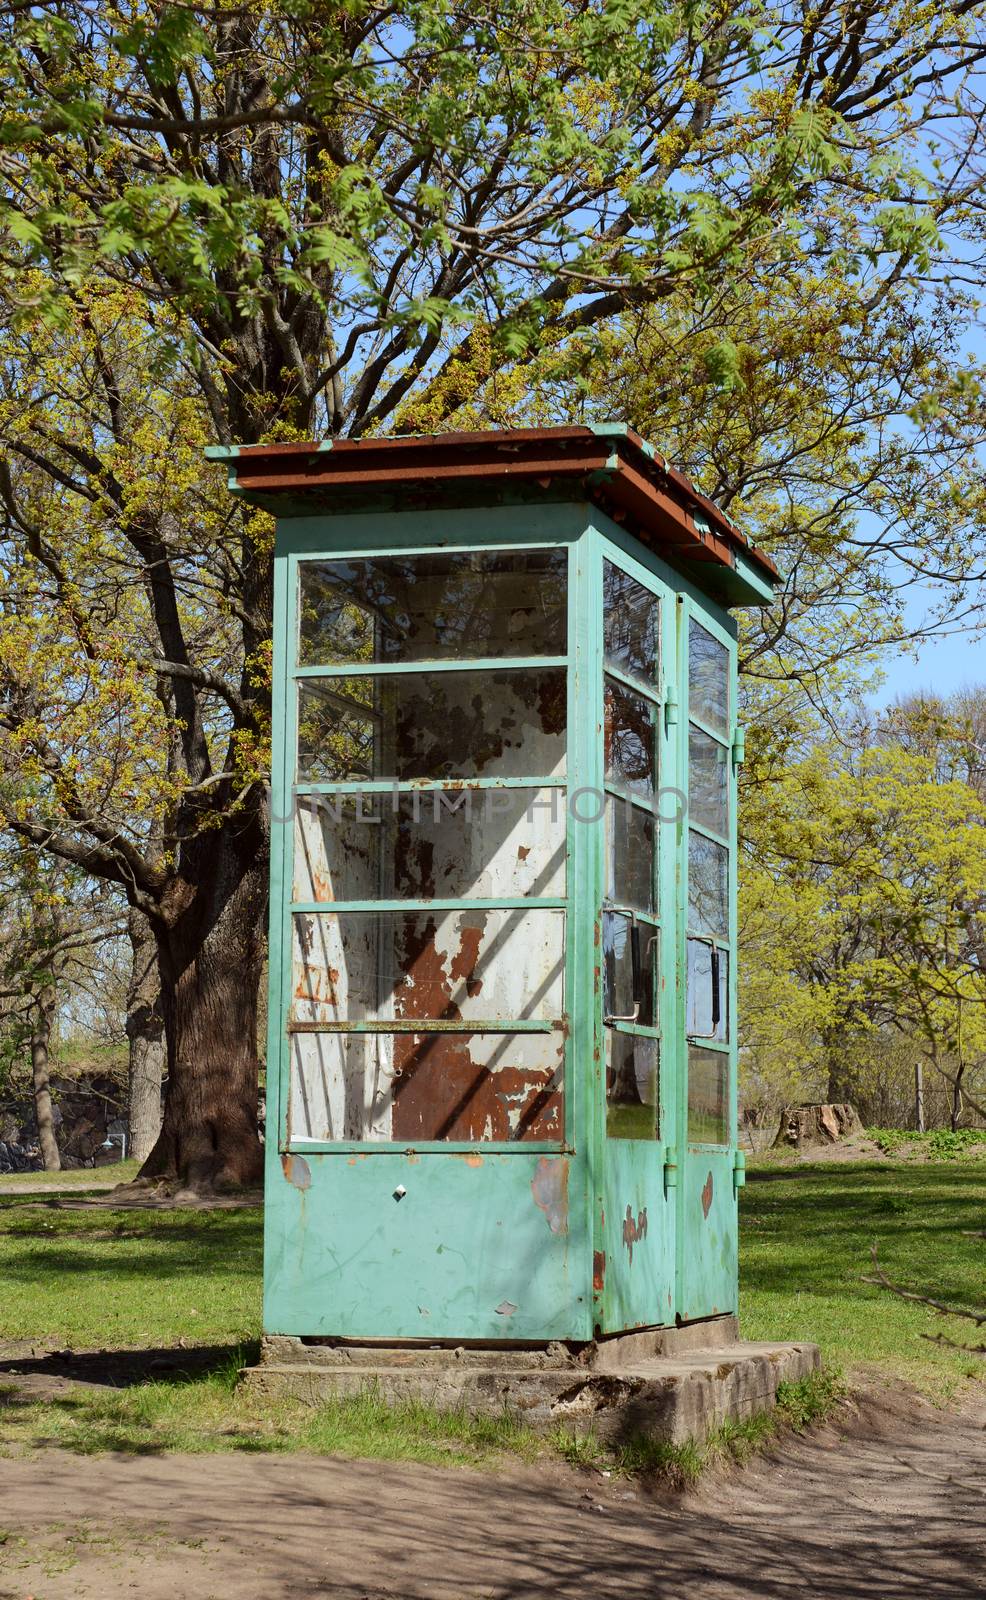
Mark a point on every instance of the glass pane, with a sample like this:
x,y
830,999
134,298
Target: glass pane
x,y
481,966
412,1087
707,781
456,844
442,725
618,994
630,741
629,855
630,624
708,1095
433,607
708,678
700,1023
708,902
632,1086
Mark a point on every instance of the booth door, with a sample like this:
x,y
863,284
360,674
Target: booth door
x,y
707,1238
423,1129
634,1276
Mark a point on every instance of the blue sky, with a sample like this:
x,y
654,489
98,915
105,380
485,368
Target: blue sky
x,y
942,663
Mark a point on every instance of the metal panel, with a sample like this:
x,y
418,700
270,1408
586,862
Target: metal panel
x,y
408,1246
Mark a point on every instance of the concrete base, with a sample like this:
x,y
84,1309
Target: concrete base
x,y
673,1384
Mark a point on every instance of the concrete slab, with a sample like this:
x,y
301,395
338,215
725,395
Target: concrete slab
x,y
672,1384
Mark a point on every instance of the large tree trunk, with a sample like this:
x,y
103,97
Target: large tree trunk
x,y
44,1016
210,941
145,1031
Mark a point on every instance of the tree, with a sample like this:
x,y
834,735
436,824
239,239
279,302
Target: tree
x,y
884,854
50,931
253,224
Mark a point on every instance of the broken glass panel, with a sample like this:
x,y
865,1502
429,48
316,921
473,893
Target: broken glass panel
x,y
433,607
411,1088
401,726
477,966
440,844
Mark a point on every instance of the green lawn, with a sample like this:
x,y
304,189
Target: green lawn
x,y
806,1236
70,1177
110,1279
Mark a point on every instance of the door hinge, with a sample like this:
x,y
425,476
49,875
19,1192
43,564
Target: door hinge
x,y
739,745
670,707
670,1176
739,1170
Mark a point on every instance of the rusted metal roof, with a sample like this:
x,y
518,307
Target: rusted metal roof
x,y
608,464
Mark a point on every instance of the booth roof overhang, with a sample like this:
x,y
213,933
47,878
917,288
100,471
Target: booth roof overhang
x,y
607,464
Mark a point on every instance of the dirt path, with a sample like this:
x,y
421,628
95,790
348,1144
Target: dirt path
x,y
877,1508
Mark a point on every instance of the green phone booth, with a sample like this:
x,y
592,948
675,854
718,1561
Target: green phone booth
x,y
501,1078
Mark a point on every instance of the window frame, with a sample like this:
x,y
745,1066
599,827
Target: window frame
x,y
291,673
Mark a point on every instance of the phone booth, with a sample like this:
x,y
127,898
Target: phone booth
x,y
501,1075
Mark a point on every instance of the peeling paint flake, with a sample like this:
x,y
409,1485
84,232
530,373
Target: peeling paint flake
x,y
549,1186
297,1171
634,1229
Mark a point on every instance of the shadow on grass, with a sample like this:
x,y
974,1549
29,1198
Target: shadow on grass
x,y
124,1369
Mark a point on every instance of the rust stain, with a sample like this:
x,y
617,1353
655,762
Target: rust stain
x,y
599,1270
441,1092
634,1230
464,964
549,1186
473,1160
297,1171
523,851
707,1196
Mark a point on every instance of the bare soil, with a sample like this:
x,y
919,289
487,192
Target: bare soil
x,y
886,1502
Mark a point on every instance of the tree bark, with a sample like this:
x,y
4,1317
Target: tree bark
x,y
145,1032
44,1016
210,944
803,1126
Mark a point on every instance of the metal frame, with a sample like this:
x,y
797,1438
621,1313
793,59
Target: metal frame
x,y
346,537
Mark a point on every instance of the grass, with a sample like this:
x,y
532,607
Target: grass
x,y
806,1236
93,1279
940,1144
210,1414
71,1177
108,1279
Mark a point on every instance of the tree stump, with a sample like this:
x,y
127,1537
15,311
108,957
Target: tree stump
x,y
802,1126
